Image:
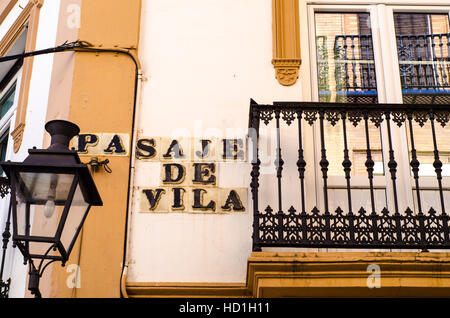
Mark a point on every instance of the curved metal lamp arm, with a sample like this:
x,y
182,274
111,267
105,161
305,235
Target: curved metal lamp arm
x,y
36,273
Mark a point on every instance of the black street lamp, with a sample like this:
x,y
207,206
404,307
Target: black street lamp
x,y
55,183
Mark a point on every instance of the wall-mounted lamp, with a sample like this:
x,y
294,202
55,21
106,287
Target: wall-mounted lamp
x,y
52,182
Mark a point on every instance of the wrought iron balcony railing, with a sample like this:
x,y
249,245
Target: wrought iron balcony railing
x,y
424,61
276,225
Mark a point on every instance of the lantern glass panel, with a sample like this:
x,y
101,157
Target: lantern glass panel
x,y
46,186
22,223
42,248
41,194
74,220
29,225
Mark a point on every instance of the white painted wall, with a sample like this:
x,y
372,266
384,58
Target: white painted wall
x,y
35,121
203,61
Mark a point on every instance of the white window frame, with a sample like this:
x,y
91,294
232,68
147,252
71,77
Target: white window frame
x,y
6,119
388,88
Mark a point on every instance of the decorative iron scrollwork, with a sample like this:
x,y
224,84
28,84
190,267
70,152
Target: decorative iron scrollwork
x,y
4,288
404,54
288,116
398,117
421,118
266,116
376,117
4,187
363,230
372,228
333,117
310,116
442,118
354,117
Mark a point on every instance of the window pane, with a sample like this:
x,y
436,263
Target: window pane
x,y
346,73
3,148
7,101
423,52
345,62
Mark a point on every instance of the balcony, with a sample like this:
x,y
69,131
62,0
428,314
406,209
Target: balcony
x,y
285,225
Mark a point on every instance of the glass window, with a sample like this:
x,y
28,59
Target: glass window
x,y
7,101
423,53
346,68
3,148
346,74
424,62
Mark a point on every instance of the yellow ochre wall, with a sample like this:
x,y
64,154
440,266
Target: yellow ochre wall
x,y
101,100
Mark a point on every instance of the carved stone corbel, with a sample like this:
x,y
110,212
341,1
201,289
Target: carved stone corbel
x,y
286,70
286,41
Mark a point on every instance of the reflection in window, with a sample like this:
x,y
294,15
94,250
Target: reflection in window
x,y
345,62
423,52
7,101
346,73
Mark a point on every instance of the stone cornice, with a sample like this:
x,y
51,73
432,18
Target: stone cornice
x,y
321,274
